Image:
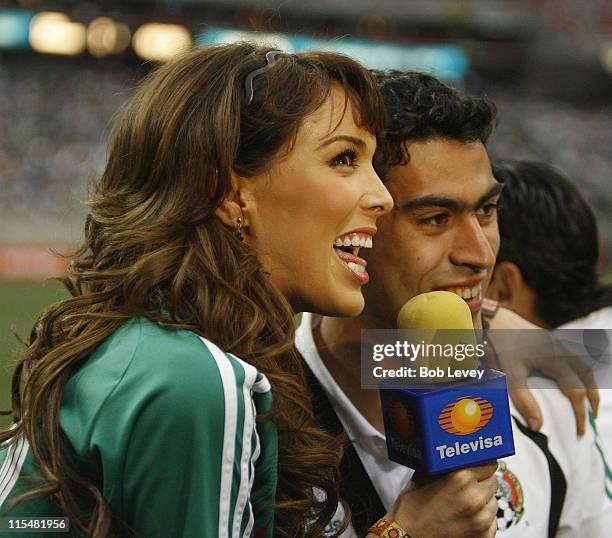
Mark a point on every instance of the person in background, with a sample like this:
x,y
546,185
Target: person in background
x,y
547,266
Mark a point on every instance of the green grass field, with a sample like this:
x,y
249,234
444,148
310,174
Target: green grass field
x,y
20,303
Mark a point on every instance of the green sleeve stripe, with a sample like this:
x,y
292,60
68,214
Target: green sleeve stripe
x,y
601,452
608,472
246,457
240,378
241,444
266,476
607,477
229,435
247,528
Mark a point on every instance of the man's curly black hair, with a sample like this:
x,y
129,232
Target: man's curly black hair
x,y
420,107
550,232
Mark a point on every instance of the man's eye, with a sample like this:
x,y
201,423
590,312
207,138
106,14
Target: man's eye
x,y
487,210
439,219
346,158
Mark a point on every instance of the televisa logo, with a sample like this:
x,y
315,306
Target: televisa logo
x,y
465,416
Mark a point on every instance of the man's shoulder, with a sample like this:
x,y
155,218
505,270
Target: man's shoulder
x,y
559,426
598,319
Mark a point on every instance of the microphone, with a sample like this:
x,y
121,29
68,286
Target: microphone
x,y
446,424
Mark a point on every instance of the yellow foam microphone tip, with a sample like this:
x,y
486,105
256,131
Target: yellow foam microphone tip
x,y
435,310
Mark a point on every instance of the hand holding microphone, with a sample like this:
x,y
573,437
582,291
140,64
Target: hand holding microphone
x,y
459,504
446,424
451,432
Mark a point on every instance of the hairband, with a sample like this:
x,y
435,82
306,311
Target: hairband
x,y
248,83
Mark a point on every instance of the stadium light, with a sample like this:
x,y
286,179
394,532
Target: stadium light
x,y
106,36
606,58
160,42
280,40
55,33
445,60
14,29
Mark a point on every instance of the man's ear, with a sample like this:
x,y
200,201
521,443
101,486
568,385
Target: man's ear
x,y
507,284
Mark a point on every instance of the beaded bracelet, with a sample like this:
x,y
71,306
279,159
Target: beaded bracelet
x,y
388,528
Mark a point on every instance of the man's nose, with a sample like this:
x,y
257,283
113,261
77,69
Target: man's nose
x,y
471,246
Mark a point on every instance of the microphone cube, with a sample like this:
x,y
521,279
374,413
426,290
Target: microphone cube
x,y
440,428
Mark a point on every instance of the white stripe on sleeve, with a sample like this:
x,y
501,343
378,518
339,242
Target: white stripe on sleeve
x,y
249,424
228,379
251,522
9,473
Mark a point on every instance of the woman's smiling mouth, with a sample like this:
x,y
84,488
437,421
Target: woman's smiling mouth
x,y
347,247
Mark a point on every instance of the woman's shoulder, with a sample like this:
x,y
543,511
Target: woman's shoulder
x,y
143,365
178,357
161,357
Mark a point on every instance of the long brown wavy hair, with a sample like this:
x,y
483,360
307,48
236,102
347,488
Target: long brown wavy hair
x,y
154,248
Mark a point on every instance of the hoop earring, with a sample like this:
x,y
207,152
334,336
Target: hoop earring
x,y
240,222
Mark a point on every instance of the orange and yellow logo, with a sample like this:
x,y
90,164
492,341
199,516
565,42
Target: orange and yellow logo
x,y
465,415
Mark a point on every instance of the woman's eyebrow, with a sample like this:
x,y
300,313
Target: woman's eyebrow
x,y
342,138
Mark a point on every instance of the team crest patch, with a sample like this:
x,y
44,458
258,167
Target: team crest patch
x,y
510,501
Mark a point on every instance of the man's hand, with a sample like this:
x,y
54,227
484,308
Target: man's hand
x,y
460,504
517,361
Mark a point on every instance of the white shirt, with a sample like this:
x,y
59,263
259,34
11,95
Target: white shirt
x,y
600,319
524,477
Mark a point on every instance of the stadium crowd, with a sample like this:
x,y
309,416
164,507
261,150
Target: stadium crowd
x,y
54,129
574,138
56,117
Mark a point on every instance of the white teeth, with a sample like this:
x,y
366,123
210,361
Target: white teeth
x,y
356,267
467,293
353,240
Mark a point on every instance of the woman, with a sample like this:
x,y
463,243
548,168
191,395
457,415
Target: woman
x,y
238,191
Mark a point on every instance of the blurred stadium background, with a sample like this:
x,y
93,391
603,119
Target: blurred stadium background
x,y
67,66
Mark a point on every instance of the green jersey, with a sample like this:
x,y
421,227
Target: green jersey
x,y
165,421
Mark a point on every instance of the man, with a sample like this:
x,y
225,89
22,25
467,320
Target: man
x,y
550,276
442,235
